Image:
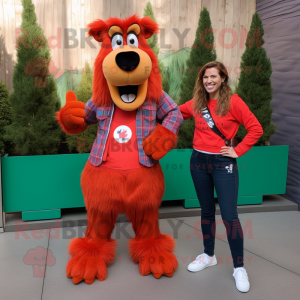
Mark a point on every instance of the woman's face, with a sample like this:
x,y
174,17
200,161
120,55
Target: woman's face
x,y
212,82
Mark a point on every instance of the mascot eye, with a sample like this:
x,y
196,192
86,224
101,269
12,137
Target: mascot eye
x,y
117,41
132,40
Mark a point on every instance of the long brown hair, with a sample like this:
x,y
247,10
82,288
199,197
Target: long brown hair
x,y
201,95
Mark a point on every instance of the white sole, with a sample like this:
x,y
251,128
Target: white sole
x,y
194,271
243,291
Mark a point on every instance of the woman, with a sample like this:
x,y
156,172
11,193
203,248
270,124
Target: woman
x,y
213,163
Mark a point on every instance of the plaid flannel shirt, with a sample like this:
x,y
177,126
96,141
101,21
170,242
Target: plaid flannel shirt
x,y
167,112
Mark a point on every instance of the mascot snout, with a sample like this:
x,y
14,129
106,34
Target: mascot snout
x,y
127,61
127,70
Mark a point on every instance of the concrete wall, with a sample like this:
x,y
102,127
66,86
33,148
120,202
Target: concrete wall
x,y
281,21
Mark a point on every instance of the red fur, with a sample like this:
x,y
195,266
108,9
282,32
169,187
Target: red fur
x,y
77,130
151,249
119,191
149,27
158,263
71,116
92,254
138,247
84,247
108,192
89,259
99,30
160,142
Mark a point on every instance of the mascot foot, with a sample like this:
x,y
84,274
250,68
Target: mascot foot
x,y
154,255
158,263
89,259
87,269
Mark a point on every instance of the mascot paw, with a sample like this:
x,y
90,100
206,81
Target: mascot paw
x,y
158,263
160,142
154,255
87,269
89,259
71,116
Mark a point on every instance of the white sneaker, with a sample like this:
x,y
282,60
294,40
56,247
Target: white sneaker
x,y
202,261
241,279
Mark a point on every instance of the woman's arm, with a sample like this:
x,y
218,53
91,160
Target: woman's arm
x,y
187,110
242,113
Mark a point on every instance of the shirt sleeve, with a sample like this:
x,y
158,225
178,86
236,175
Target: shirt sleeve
x,y
186,110
242,113
90,113
169,113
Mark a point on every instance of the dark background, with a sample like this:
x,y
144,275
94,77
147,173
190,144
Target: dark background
x,y
281,21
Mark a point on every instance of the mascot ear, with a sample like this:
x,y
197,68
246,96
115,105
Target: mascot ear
x,y
149,27
97,29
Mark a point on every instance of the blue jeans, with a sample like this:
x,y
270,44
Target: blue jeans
x,y
214,170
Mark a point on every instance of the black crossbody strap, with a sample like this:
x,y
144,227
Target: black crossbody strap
x,y
210,122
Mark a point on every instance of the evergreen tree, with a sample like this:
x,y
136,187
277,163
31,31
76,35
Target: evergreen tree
x,y
254,85
5,119
176,63
201,54
34,100
83,142
152,42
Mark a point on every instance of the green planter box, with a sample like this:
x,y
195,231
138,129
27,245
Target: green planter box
x,y
39,186
262,171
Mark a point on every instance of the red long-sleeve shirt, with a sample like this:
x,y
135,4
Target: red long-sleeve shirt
x,y
206,140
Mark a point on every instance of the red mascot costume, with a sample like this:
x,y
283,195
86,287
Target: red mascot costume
x,y
122,174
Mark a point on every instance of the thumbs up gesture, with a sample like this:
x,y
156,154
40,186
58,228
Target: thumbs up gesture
x,y
71,116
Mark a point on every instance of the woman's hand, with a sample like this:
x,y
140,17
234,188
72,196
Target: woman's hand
x,y
228,151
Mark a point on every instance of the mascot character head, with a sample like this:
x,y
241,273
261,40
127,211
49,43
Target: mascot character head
x,y
126,69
